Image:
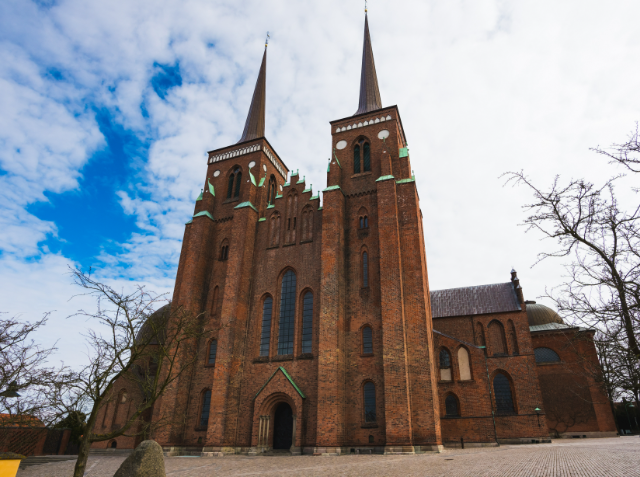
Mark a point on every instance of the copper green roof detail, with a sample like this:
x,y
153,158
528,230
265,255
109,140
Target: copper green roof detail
x,y
263,219
295,173
211,189
204,213
369,91
245,204
329,166
254,126
190,222
404,181
404,151
334,187
199,197
301,181
384,178
336,156
253,179
319,208
314,197
278,196
270,206
262,180
308,190
289,378
286,184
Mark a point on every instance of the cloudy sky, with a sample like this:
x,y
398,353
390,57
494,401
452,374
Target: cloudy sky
x,y
107,110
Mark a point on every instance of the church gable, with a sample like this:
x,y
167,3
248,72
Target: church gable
x,y
283,379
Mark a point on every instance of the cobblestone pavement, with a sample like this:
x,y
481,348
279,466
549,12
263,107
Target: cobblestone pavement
x,y
563,458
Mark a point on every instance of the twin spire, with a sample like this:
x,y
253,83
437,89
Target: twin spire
x,y
369,92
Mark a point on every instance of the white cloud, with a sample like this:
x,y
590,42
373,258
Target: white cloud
x,y
483,86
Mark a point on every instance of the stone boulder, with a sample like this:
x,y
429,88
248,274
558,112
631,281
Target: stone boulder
x,y
145,461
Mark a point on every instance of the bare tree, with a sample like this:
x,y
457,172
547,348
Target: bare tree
x,y
602,286
626,154
127,342
24,374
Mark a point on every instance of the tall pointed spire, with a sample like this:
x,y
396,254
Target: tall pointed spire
x,y
254,127
369,92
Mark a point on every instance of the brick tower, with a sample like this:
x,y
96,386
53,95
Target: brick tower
x,y
342,333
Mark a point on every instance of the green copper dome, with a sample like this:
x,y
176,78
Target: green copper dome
x,y
541,315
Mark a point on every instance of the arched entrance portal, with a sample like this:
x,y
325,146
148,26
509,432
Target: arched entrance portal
x,y
283,427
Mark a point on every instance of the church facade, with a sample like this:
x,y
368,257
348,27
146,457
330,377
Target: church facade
x,y
326,338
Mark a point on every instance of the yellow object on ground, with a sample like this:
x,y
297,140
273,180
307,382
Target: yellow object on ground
x,y
9,468
9,463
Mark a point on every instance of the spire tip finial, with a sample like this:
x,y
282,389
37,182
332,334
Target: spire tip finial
x,y
266,42
365,7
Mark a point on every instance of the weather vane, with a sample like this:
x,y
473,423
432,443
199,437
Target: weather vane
x,y
266,42
365,6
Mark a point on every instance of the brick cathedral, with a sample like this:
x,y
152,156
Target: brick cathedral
x,y
327,337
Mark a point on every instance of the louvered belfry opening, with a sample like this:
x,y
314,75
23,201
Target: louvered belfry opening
x,y
369,91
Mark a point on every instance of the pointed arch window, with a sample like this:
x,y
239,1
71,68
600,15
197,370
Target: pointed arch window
x,y
265,335
463,364
365,269
224,253
451,406
445,365
356,159
204,411
367,340
497,338
369,391
503,395
367,157
235,179
272,190
307,322
287,313
213,350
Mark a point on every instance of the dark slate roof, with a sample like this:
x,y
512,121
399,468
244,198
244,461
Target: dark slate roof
x,y
369,92
480,300
254,126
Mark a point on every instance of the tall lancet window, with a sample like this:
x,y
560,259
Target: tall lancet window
x,y
265,335
356,159
287,313
307,322
367,157
235,179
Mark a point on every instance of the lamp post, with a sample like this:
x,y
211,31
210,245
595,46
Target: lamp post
x,y
626,406
11,391
538,410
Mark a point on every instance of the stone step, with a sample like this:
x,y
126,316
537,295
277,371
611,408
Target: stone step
x,y
45,459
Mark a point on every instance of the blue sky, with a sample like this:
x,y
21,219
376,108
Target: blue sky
x,y
108,108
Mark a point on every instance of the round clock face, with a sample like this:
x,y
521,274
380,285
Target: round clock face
x,y
383,134
251,164
264,166
217,173
341,144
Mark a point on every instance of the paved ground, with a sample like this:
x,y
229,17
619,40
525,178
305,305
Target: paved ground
x,y
563,458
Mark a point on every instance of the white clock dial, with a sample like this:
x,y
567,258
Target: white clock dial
x,y
217,173
341,144
264,166
251,164
383,134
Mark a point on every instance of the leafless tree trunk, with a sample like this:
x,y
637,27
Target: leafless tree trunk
x,y
134,344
